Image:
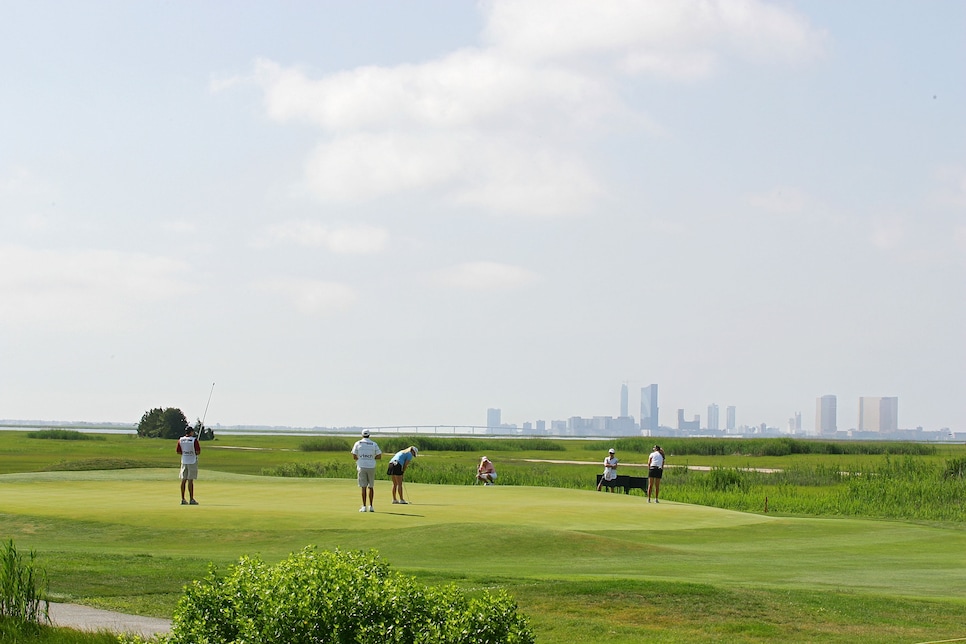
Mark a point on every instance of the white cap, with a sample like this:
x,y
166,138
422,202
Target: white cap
x,y
365,433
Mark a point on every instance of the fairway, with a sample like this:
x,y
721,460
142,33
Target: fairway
x,y
488,532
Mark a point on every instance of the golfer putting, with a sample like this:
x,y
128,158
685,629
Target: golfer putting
x,y
397,469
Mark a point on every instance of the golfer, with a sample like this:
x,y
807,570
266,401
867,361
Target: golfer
x,y
655,468
366,452
189,448
609,478
486,472
397,468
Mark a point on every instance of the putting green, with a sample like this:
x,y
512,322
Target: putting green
x,y
498,531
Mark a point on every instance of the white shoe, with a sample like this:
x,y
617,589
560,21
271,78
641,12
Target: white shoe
x,y
362,509
370,509
657,500
395,502
402,502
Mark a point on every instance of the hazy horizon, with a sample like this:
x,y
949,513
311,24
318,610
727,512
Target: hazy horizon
x,y
377,213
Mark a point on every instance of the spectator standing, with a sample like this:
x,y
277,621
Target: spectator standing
x,y
397,469
655,469
486,472
189,448
609,478
366,453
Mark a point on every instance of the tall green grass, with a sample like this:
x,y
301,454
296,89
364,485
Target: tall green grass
x,y
23,587
64,435
761,446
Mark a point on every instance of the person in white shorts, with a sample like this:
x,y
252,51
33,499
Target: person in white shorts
x,y
189,448
366,452
486,472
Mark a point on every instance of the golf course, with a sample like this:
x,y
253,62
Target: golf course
x,y
105,520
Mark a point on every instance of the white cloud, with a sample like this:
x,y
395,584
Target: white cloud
x,y
473,125
466,88
344,240
310,296
670,37
78,288
486,276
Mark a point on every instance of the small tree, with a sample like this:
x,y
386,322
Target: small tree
x,y
163,423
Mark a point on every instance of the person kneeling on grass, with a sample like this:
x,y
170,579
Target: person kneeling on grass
x,y
486,472
397,468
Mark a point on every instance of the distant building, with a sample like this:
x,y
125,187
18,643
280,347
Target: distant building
x,y
795,423
493,420
713,416
624,399
541,426
825,415
730,418
688,425
649,410
878,414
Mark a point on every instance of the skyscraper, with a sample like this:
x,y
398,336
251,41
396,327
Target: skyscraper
x,y
624,400
649,408
713,416
730,418
493,420
878,414
825,421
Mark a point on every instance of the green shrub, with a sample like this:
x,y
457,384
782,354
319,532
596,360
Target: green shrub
x,y
392,444
338,597
22,587
64,435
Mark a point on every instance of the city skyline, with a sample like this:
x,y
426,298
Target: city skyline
x,y
375,213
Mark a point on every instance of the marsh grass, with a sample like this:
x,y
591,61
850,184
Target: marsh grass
x,y
325,444
23,586
91,464
64,435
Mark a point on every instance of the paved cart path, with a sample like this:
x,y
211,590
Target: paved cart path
x,y
85,618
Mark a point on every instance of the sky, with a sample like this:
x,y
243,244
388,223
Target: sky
x,y
378,213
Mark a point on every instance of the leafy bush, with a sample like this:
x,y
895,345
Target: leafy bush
x,y
325,444
338,597
64,435
22,587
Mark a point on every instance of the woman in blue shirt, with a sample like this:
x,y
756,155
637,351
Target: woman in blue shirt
x,y
397,468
